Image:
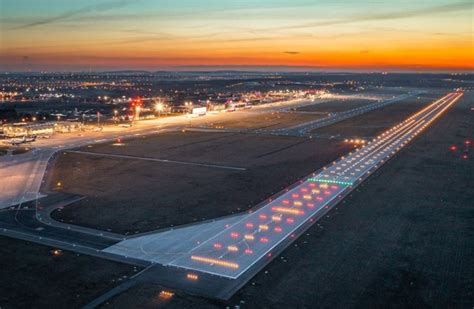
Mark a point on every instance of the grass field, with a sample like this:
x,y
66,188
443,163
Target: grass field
x,y
130,195
32,277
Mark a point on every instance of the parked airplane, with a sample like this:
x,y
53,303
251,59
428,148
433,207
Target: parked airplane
x,y
23,140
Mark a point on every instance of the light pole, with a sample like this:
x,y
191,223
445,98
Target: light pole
x,y
159,108
186,104
137,113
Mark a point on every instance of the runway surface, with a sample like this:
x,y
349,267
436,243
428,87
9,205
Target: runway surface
x,y
243,241
305,128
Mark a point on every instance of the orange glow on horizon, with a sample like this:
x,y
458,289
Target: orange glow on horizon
x,y
365,35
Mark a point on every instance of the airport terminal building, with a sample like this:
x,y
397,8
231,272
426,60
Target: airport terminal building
x,y
46,128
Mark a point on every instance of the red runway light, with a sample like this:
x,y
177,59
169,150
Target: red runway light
x,y
467,142
248,251
278,229
264,239
304,190
217,245
310,205
319,199
465,157
294,195
290,220
453,148
286,202
234,234
263,216
249,225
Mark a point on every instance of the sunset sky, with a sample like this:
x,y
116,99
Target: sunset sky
x,y
155,34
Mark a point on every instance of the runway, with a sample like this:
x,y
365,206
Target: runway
x,y
304,128
250,239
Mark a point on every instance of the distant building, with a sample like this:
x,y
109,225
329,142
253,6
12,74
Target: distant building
x,y
43,128
67,126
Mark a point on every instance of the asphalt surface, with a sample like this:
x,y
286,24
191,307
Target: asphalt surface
x,y
304,128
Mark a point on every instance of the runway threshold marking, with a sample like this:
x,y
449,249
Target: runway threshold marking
x,y
227,167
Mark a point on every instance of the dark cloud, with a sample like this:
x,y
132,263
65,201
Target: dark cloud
x,y
100,7
291,52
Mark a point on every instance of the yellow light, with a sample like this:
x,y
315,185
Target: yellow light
x,y
249,237
193,277
215,261
288,210
276,218
263,227
297,203
307,197
232,248
166,294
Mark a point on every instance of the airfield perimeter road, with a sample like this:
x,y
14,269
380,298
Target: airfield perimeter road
x,y
245,243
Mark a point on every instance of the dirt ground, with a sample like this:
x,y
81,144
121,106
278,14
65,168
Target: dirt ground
x,y
375,122
130,195
33,278
404,238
